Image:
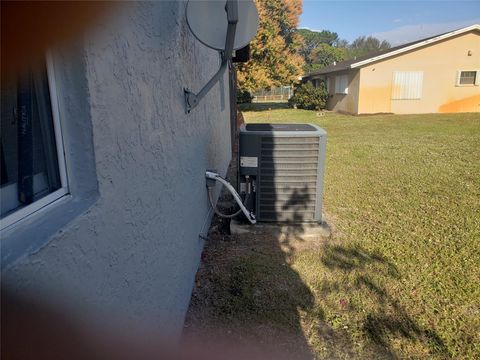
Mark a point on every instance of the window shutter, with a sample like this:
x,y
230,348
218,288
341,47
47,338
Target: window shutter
x,y
407,85
477,78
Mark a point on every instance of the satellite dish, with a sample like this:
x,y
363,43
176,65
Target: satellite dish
x,y
207,20
221,25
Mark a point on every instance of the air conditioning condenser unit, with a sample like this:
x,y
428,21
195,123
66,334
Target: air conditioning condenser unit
x,y
281,170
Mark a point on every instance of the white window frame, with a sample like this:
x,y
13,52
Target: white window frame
x,y
340,89
48,200
477,78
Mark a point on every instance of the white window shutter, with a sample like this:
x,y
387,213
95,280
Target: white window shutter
x,y
477,78
407,85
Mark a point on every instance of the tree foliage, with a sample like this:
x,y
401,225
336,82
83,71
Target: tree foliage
x,y
325,55
323,48
364,45
313,39
274,58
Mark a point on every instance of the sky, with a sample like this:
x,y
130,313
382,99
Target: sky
x,y
395,21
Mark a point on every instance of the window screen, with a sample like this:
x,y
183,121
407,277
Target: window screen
x,y
407,85
29,163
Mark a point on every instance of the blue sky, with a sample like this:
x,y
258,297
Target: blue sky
x,y
395,21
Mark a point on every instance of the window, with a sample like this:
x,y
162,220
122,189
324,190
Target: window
x,y
407,85
468,78
341,84
31,150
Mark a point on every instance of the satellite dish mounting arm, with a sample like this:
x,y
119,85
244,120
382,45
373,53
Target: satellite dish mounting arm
x,y
192,99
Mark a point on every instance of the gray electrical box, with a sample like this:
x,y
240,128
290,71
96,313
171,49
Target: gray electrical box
x,y
280,171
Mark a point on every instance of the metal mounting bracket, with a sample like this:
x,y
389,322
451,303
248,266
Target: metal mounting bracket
x,y
192,99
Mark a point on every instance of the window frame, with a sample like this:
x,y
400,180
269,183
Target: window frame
x,y
475,83
23,213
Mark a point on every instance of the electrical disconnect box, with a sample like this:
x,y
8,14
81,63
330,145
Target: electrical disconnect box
x,y
280,171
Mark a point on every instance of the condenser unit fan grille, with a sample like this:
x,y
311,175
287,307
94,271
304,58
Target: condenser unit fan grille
x,y
288,178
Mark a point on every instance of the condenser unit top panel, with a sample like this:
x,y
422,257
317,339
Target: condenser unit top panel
x,y
280,127
282,130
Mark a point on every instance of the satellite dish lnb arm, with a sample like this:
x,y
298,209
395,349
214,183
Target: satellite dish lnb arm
x,y
192,99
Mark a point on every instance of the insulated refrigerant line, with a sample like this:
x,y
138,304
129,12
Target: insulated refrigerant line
x,y
216,177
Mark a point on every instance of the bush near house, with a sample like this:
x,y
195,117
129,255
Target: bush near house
x,y
244,97
309,97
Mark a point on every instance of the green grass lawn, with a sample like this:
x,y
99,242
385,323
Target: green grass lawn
x,y
400,277
403,193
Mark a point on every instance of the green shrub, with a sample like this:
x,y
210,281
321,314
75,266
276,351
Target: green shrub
x,y
244,97
308,97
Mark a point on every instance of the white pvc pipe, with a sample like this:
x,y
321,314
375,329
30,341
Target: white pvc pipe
x,y
217,177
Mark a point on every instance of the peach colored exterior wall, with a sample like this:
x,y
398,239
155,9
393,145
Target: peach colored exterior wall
x,y
345,102
439,63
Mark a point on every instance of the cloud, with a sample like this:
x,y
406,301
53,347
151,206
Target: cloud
x,y
407,33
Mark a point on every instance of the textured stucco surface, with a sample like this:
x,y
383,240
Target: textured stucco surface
x,y
132,257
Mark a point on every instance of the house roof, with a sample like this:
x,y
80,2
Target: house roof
x,y
380,55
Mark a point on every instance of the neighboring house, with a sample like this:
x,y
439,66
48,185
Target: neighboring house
x,y
106,224
438,74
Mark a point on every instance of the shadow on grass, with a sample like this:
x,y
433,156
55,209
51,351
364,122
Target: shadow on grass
x,y
247,286
386,321
263,106
248,290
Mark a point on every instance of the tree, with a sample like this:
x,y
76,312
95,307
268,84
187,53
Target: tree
x,y
325,55
321,48
275,58
313,39
364,45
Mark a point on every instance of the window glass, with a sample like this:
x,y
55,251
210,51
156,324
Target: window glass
x,y
29,164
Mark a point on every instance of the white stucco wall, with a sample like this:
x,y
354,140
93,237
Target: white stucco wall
x,y
131,257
